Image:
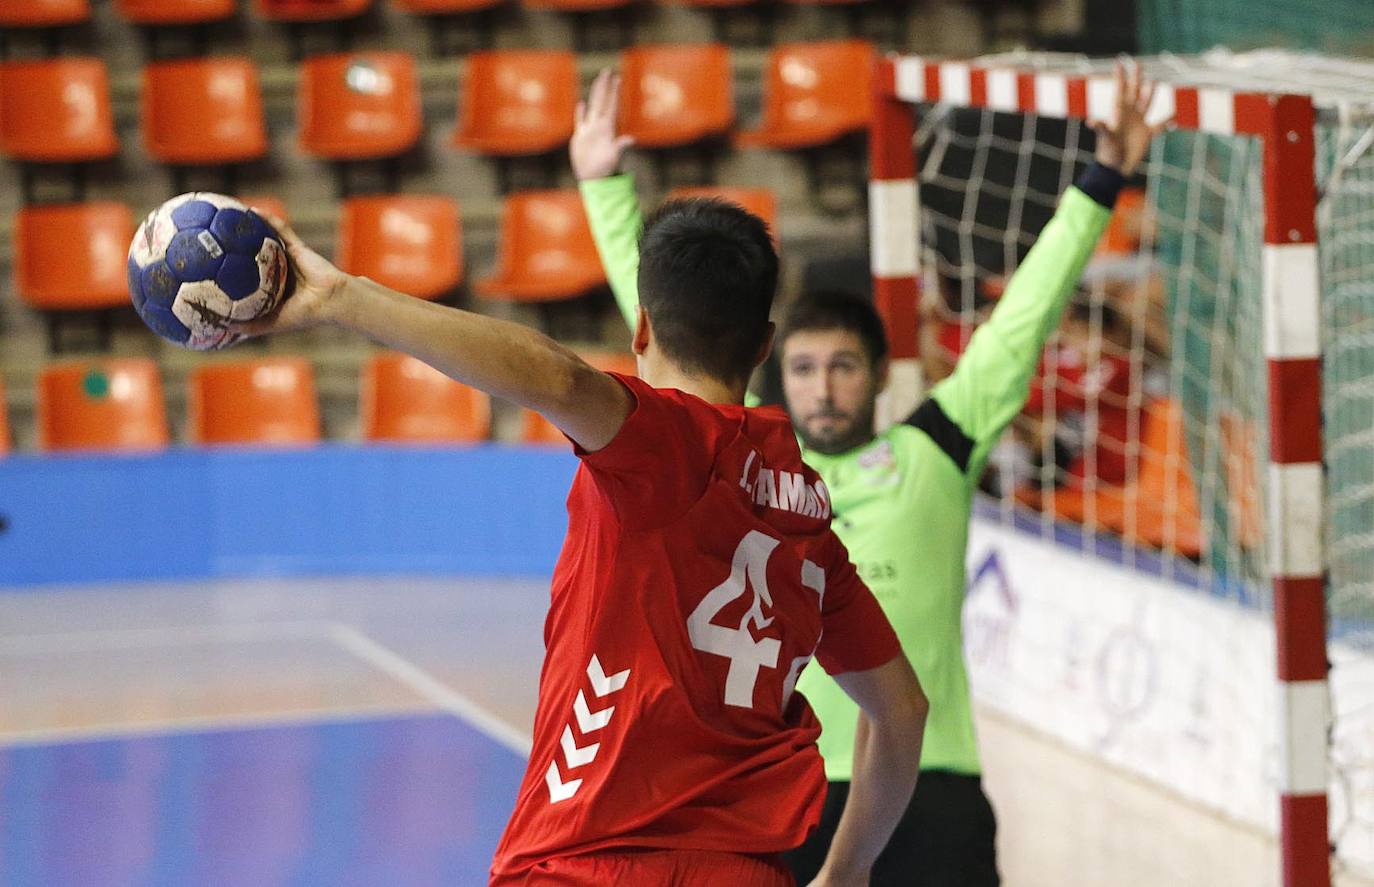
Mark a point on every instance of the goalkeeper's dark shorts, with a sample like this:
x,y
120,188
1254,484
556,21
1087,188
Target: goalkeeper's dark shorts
x,y
946,838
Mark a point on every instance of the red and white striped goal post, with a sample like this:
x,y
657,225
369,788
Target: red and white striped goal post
x,y
1285,125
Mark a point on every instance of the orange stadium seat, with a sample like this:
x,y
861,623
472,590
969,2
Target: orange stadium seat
x,y
101,405
517,102
402,399
762,202
410,242
203,111
358,106
267,401
442,7
1160,507
622,362
814,93
175,12
4,422
535,429
676,94
267,203
547,252
310,10
56,111
73,256
43,13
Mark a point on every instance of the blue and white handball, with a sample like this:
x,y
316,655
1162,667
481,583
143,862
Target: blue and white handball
x,y
200,260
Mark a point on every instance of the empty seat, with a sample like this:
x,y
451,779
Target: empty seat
x,y
814,93
402,399
622,362
357,106
268,401
56,111
268,204
203,111
535,429
175,12
73,256
43,13
411,243
101,405
443,7
546,251
676,94
310,10
517,102
576,5
762,202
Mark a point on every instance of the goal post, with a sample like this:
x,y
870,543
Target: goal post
x,y
1236,254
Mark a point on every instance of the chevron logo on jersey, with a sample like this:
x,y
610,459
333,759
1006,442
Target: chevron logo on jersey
x,y
588,722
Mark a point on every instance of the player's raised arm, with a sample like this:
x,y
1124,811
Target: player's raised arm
x,y
502,358
608,194
968,411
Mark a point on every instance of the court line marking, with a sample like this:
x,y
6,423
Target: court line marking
x,y
390,662
71,642
213,724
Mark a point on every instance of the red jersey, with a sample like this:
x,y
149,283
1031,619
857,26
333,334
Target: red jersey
x,y
698,577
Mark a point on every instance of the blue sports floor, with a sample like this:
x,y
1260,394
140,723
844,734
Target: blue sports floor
x,y
267,733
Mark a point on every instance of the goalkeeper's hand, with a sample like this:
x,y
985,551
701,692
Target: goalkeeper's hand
x,y
1123,143
595,148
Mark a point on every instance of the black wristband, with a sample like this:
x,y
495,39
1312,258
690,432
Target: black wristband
x,y
1101,183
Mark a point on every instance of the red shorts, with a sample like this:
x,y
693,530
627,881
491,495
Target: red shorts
x,y
656,868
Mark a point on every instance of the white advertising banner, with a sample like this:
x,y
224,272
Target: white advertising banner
x,y
1165,681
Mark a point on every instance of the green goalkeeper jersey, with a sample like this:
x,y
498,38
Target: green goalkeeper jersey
x,y
902,501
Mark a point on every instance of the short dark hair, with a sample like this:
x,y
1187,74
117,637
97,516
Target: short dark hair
x,y
707,276
832,310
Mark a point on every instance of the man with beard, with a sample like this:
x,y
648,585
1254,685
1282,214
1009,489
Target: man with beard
x,y
902,499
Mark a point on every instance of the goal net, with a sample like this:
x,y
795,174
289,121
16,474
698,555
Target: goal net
x,y
1167,432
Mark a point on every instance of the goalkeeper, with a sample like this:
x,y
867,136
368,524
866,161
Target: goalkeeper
x,y
902,498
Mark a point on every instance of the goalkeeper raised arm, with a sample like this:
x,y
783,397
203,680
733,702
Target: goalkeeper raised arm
x,y
902,498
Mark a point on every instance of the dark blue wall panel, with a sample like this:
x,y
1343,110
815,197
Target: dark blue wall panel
x,y
332,510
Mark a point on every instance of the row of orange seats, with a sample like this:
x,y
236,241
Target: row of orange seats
x,y
366,105
71,257
57,13
118,405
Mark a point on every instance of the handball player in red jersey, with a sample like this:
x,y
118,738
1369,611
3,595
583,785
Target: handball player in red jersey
x,y
698,577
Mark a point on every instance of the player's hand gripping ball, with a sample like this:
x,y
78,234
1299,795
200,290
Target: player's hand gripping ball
x,y
200,261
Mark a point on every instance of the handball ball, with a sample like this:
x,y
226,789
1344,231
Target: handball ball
x,y
200,260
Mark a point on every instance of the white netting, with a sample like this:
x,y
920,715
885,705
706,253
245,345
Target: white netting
x,y
1146,440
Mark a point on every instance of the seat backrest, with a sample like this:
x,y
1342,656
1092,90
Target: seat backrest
x,y
354,106
676,94
402,399
73,256
43,13
267,401
517,101
310,10
622,362
175,12
762,202
203,111
535,429
1165,475
1240,444
439,7
268,204
56,111
112,404
815,92
1122,236
547,250
412,242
